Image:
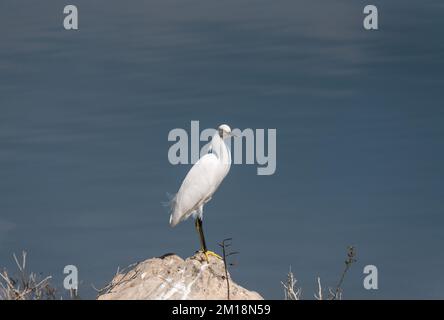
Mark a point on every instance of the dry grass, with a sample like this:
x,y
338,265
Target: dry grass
x,y
291,292
24,285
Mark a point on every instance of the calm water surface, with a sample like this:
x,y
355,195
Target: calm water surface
x,y
84,119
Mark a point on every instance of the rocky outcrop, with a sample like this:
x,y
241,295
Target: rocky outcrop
x,y
171,278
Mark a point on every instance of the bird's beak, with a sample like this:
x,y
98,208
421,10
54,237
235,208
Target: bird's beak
x,y
233,135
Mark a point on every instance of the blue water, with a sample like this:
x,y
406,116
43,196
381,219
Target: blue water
x,y
85,115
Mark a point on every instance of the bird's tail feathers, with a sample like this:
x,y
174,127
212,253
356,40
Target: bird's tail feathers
x,y
171,204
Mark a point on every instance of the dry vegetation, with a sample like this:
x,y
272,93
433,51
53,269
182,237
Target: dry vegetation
x,y
24,285
291,292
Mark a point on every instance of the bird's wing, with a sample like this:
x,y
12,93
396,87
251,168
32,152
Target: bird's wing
x,y
199,184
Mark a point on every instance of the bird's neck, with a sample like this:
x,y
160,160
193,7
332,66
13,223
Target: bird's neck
x,y
221,149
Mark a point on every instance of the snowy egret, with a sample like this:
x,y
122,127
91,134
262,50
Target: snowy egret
x,y
201,183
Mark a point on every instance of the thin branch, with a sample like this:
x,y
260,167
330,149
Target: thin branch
x,y
319,296
351,254
226,243
123,279
24,286
290,292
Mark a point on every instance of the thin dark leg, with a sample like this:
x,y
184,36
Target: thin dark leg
x,y
198,223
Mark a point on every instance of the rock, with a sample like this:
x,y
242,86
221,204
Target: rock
x,y
171,278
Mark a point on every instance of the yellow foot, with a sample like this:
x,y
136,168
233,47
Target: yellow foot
x,y
208,253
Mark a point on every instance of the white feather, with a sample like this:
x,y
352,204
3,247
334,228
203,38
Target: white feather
x,y
201,182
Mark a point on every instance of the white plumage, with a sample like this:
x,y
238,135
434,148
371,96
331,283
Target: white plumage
x,y
201,183
203,179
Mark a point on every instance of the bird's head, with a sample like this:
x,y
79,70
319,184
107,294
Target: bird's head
x,y
224,131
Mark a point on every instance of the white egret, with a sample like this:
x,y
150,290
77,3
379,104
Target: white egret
x,y
201,183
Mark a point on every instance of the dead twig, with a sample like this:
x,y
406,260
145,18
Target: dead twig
x,y
290,291
25,286
123,278
226,243
351,258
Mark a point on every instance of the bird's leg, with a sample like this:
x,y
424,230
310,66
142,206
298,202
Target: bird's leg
x,y
203,246
198,224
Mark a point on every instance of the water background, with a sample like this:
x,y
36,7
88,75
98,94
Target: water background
x,y
84,119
